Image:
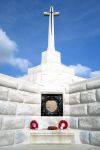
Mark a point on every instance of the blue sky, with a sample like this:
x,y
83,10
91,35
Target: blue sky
x,y
24,32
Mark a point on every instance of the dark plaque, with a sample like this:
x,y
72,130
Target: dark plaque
x,y
52,105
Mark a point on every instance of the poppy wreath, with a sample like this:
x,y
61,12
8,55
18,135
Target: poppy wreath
x,y
52,128
63,124
33,124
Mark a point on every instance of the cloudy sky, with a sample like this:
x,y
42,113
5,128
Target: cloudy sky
x,y
24,32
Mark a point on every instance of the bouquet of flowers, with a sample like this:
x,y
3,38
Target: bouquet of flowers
x,y
52,128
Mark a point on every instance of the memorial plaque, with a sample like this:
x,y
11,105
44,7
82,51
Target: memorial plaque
x,y
52,105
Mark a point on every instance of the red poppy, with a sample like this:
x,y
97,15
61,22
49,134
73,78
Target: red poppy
x,y
33,124
63,124
52,128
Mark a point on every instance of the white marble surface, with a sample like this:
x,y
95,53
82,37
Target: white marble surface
x,y
51,132
52,136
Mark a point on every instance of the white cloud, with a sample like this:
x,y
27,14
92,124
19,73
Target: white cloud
x,y
84,71
81,70
22,64
95,74
8,48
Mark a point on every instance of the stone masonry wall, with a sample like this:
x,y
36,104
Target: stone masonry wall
x,y
19,100
84,100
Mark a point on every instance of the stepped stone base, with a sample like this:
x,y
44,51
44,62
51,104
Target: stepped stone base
x,y
52,136
51,147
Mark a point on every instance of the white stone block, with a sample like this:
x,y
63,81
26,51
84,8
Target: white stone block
x,y
88,96
74,122
6,138
52,89
74,98
29,109
92,123
98,94
0,122
7,108
94,83
28,86
32,98
95,138
10,123
66,110
20,136
78,110
8,82
94,109
66,98
84,137
67,89
15,95
77,87
3,93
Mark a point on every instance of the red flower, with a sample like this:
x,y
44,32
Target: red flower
x,y
63,124
52,128
33,124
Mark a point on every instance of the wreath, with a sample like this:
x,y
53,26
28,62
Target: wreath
x,y
63,124
33,124
52,97
52,128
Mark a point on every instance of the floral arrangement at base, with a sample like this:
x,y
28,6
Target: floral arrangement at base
x,y
63,124
33,125
52,128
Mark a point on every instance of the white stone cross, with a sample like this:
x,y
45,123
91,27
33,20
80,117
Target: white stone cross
x,y
51,14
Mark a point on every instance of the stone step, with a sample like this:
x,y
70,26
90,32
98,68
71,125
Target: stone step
x,y
52,136
51,147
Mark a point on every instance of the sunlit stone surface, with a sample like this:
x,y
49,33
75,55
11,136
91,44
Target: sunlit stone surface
x,y
75,100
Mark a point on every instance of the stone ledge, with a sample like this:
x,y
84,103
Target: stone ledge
x,y
51,132
52,136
